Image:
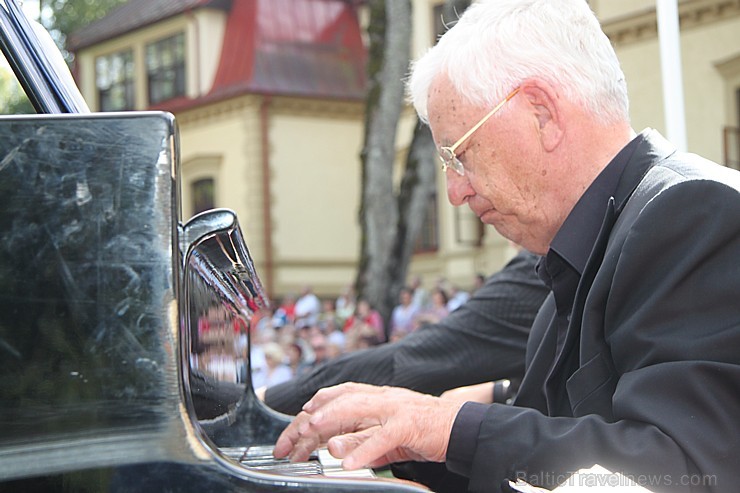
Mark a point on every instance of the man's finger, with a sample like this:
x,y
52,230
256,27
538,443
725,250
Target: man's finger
x,y
290,436
329,394
342,445
371,449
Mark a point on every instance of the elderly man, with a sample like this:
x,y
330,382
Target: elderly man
x,y
632,363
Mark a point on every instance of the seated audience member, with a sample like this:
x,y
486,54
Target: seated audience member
x,y
632,361
421,295
275,370
345,304
364,328
336,336
436,311
284,314
328,318
296,362
333,350
320,346
403,317
457,298
307,308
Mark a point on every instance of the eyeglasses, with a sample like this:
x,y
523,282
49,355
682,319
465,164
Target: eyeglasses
x,y
448,155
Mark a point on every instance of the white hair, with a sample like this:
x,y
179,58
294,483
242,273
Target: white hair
x,y
496,44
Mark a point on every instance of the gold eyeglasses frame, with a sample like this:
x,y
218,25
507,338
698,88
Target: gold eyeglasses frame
x,y
447,154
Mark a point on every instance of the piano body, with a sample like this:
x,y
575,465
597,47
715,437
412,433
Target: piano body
x,y
109,307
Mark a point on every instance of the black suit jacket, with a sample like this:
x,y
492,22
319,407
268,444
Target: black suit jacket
x,y
648,383
483,340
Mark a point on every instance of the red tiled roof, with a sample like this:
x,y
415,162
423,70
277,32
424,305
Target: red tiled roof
x,y
293,47
310,48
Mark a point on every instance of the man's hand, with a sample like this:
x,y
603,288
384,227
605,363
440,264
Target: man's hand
x,y
371,426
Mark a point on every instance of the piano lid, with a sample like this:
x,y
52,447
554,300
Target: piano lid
x,y
109,308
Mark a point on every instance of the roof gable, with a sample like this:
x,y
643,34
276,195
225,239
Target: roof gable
x,y
293,47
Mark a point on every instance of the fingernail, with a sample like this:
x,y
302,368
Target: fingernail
x,y
278,451
348,463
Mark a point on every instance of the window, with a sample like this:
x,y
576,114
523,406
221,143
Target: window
x,y
114,79
732,147
469,229
203,192
165,68
428,240
446,15
439,23
729,69
731,138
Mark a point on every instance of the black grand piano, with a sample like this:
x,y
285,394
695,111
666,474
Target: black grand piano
x,y
113,311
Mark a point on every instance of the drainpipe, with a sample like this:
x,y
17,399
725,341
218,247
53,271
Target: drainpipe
x,y
196,42
670,61
268,271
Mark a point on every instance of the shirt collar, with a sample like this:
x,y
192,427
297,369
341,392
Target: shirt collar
x,y
576,237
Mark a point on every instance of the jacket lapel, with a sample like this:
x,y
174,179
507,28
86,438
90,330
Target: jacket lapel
x,y
653,149
567,361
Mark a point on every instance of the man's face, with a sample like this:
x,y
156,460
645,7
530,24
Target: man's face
x,y
505,177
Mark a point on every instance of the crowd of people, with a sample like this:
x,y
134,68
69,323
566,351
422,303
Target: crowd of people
x,y
302,332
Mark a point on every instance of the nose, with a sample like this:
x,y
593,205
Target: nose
x,y
459,190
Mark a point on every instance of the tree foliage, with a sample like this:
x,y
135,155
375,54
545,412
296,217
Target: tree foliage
x,y
63,17
13,100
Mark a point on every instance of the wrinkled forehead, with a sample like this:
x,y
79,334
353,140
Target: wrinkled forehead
x,y
446,106
441,97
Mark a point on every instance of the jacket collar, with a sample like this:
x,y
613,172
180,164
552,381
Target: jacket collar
x,y
651,149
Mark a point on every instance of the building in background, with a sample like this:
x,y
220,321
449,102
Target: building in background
x,y
269,99
710,52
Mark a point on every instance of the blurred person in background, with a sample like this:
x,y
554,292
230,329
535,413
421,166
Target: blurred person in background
x,y
403,317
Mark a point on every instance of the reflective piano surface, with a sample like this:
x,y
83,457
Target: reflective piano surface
x,y
113,317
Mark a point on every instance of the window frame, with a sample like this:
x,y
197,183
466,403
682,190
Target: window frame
x,y
126,82
195,192
167,79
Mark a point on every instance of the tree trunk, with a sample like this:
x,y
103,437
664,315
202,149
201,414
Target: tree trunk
x,y
417,187
391,222
390,47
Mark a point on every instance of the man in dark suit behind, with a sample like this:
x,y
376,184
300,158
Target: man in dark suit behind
x,y
633,361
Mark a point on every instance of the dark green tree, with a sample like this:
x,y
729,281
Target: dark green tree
x,y
13,100
63,17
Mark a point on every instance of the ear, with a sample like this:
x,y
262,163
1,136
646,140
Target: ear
x,y
546,108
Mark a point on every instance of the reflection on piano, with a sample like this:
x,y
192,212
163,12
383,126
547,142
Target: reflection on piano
x,y
321,462
122,330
